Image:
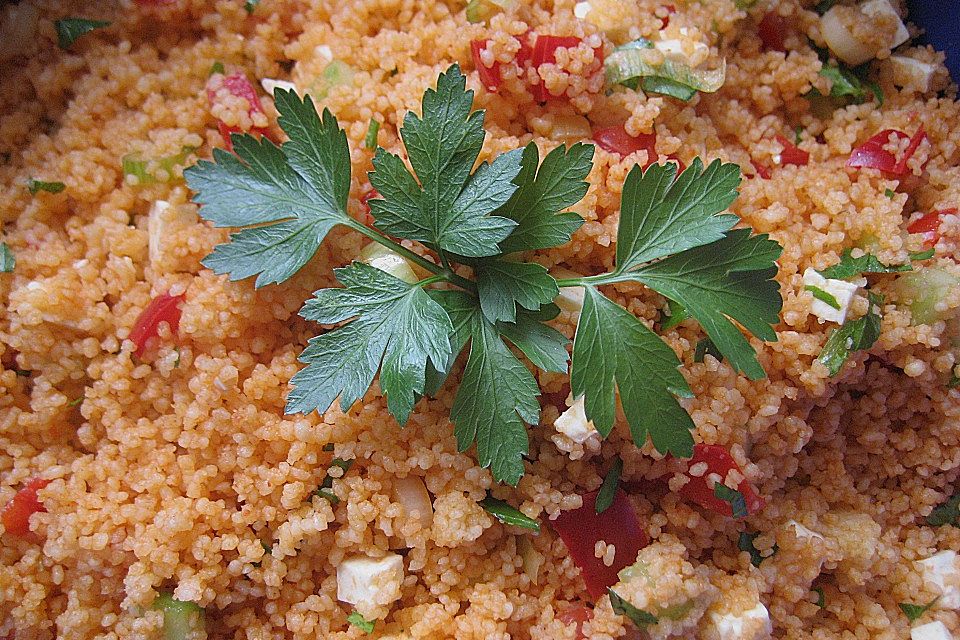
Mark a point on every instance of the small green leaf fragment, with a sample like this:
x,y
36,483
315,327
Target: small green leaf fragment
x,y
360,622
850,267
915,611
35,186
370,140
745,543
889,193
821,598
917,256
216,67
250,5
23,373
854,335
705,346
637,616
181,619
824,5
609,487
946,513
507,514
823,296
678,313
69,29
737,502
7,260
75,402
327,494
954,381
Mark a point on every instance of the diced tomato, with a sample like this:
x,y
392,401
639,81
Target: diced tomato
x,y
525,54
792,154
618,525
720,462
545,52
665,20
773,31
578,615
761,170
489,76
929,226
16,514
238,85
365,197
163,308
617,140
872,155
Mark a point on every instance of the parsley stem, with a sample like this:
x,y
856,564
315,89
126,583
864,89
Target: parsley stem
x,y
595,281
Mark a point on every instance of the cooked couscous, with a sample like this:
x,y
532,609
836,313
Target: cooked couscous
x,y
157,484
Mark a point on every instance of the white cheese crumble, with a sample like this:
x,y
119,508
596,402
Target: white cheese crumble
x,y
753,624
943,571
369,583
842,290
270,85
573,423
911,73
931,631
581,9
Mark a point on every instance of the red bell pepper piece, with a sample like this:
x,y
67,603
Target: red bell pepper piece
x,y
792,154
665,20
578,614
489,76
16,514
773,31
617,140
720,462
163,308
929,226
618,525
872,155
238,85
545,51
761,170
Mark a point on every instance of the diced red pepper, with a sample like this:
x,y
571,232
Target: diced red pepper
x,y
576,615
489,76
617,140
545,52
773,31
792,154
365,197
16,514
618,525
872,155
720,462
761,170
163,308
929,226
665,20
525,54
238,85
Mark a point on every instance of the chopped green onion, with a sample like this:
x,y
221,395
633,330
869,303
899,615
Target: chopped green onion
x,y
637,616
69,29
946,513
705,346
667,87
35,186
507,514
360,622
483,10
370,142
889,193
609,487
7,260
823,296
923,255
629,62
915,611
217,67
134,165
737,502
181,620
266,547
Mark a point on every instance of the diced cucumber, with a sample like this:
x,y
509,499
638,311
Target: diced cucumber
x,y
923,290
181,620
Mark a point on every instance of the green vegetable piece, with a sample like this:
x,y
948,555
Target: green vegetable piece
x,y
35,186
250,5
923,290
946,513
737,502
609,487
75,402
69,29
445,205
628,63
395,322
745,543
678,313
824,5
328,495
293,195
216,67
504,285
667,87
823,296
483,10
507,514
915,611
544,346
705,346
850,267
821,598
851,84
854,335
181,620
7,260
889,193
370,140
744,4
798,135
639,617
134,165
357,620
954,380
917,256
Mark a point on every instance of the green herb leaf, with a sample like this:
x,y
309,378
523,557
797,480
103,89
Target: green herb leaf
x,y
745,543
850,267
705,346
850,83
216,67
35,186
823,296
917,256
360,622
737,502
370,140
507,514
854,335
637,616
668,87
915,611
821,598
396,323
23,373
744,4
250,5
75,402
889,193
946,513
544,346
542,193
7,260
613,349
824,5
729,278
609,487
678,313
444,205
798,135
954,380
294,194
502,285
327,494
69,29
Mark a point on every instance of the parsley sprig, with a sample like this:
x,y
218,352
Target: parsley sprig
x,y
473,223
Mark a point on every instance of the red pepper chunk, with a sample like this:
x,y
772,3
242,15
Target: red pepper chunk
x,y
576,615
238,86
489,76
618,525
761,170
720,462
792,154
665,20
617,140
16,514
929,226
872,155
163,308
773,31
545,52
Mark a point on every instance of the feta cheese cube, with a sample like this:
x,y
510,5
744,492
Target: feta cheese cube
x,y
573,423
753,624
931,631
842,290
911,73
802,532
883,8
270,85
370,584
688,51
943,571
581,9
